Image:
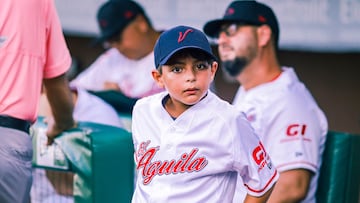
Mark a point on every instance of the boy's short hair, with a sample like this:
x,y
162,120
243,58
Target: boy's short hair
x,y
180,38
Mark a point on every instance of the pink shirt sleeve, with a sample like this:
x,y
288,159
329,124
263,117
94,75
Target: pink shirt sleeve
x,y
32,48
57,57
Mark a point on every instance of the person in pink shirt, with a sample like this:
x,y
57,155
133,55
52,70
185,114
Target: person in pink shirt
x,y
32,52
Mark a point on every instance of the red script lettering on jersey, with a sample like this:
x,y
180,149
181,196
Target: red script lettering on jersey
x,y
296,129
296,132
186,163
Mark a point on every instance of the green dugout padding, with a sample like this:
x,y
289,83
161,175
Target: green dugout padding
x,y
340,171
101,157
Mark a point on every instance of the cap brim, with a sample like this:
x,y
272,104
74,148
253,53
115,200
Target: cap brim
x,y
164,60
212,28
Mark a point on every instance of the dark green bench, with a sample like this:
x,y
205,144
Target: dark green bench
x,y
340,171
101,158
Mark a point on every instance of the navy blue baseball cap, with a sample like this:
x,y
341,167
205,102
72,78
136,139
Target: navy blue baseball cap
x,y
247,12
179,38
113,16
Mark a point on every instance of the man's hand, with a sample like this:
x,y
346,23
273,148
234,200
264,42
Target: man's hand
x,y
111,86
53,129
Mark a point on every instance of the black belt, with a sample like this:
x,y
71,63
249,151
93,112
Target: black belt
x,y
15,123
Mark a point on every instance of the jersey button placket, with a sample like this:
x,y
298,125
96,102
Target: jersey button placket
x,y
167,140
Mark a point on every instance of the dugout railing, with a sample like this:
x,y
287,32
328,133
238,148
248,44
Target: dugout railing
x,y
101,159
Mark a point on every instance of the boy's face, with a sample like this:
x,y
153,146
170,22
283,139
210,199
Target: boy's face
x,y
187,79
130,41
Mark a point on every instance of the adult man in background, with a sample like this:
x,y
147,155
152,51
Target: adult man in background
x,y
279,106
32,50
126,67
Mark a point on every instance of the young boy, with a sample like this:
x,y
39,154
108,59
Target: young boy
x,y
189,144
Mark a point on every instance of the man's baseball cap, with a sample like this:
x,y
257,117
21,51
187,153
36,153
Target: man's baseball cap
x,y
179,38
248,12
114,15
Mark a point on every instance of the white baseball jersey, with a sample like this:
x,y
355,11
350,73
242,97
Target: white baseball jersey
x,y
91,108
197,156
132,76
289,122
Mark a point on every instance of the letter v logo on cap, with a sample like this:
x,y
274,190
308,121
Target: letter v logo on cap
x,y
183,36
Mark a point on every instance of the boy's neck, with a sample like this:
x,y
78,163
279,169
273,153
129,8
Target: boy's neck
x,y
175,109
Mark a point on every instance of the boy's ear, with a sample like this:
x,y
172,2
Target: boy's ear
x,y
214,67
157,77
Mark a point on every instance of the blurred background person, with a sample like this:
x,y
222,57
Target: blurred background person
x,y
279,106
122,74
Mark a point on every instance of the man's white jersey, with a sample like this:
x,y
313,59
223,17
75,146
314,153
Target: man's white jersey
x,y
289,122
197,156
91,108
132,76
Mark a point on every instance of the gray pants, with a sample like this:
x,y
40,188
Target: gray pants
x,y
15,166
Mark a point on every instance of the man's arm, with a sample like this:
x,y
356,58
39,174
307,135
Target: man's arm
x,y
261,199
60,100
292,186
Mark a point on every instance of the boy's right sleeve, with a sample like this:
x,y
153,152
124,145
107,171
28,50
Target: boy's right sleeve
x,y
251,160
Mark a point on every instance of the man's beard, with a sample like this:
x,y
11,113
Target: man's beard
x,y
234,67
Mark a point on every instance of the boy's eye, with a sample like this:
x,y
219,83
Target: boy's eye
x,y
176,69
202,66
